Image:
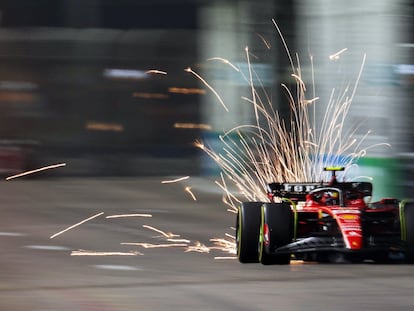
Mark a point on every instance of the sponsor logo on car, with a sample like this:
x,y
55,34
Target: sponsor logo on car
x,y
346,211
348,217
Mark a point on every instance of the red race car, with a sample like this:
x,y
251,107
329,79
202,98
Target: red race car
x,y
324,222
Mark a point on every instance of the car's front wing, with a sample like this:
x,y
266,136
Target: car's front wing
x,y
325,243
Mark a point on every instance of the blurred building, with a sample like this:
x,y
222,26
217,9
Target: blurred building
x,y
74,85
101,84
370,37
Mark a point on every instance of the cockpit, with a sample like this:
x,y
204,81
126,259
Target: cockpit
x,y
329,196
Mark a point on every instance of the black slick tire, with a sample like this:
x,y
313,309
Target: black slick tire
x,y
247,232
278,218
407,227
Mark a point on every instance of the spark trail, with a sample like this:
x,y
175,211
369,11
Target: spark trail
x,y
175,180
49,167
76,225
272,149
128,215
269,149
93,253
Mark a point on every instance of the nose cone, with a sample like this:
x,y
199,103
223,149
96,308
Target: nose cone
x,y
349,223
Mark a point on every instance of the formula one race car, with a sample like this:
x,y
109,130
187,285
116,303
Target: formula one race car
x,y
324,222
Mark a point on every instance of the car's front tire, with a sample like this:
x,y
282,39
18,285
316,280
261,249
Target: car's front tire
x,y
276,230
247,232
407,227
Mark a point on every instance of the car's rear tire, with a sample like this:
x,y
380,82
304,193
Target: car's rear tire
x,y
407,224
278,220
247,232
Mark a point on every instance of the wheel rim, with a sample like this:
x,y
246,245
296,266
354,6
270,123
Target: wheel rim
x,y
238,233
261,238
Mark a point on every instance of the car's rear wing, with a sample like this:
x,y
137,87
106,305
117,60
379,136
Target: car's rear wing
x,y
298,191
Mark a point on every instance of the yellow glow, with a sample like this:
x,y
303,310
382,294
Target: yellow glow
x,y
186,91
101,126
150,95
348,217
17,97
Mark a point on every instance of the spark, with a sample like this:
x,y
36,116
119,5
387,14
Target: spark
x,y
297,262
266,151
92,253
311,101
76,225
168,235
226,61
155,71
266,43
199,144
149,245
128,215
224,245
228,198
188,189
175,180
337,55
36,170
198,247
208,86
179,240
272,149
225,258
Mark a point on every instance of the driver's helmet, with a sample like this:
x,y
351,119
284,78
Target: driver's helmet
x,y
331,197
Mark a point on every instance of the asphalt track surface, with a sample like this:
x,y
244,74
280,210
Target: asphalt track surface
x,y
40,273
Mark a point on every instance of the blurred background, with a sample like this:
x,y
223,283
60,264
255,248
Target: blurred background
x,y
101,84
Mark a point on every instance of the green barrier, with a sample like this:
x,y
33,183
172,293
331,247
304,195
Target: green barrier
x,y
386,176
